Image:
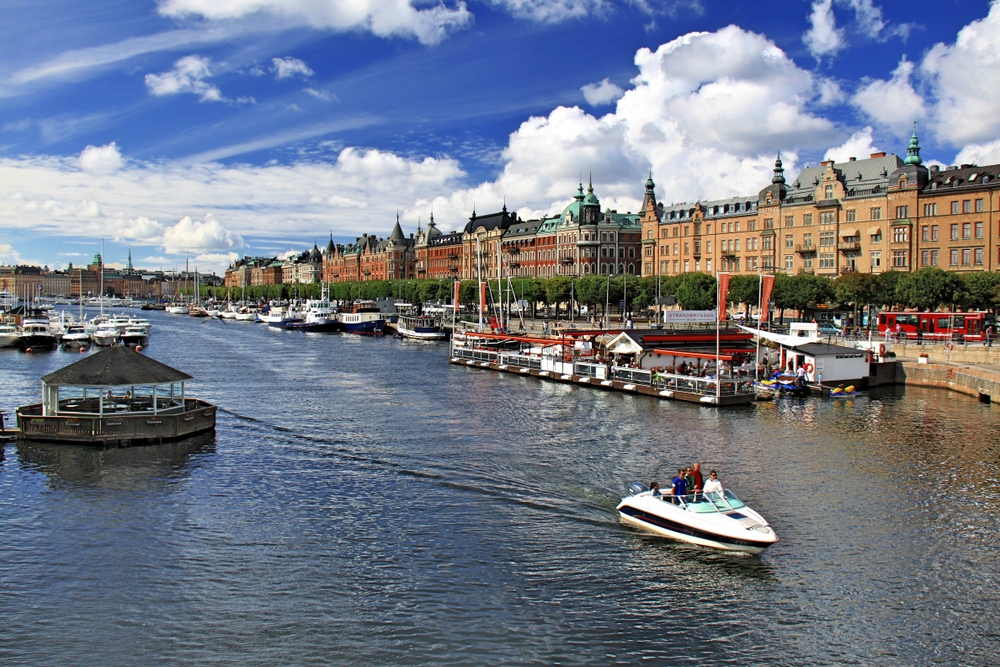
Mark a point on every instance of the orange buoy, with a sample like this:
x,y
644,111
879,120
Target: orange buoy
x,y
138,348
80,349
27,350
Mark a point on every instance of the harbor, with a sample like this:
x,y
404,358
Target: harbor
x,y
501,512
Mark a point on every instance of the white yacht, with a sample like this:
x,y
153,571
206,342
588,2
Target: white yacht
x,y
8,335
421,327
719,520
178,310
135,335
75,337
106,334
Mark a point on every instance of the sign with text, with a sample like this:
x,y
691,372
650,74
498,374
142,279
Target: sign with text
x,y
680,316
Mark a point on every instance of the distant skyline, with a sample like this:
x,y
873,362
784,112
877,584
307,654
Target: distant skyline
x,y
214,130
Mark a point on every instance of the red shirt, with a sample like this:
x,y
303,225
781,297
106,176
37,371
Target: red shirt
x,y
698,480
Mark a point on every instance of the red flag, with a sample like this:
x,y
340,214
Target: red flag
x,y
482,297
456,304
766,285
723,295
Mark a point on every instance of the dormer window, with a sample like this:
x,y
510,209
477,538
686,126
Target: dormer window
x,y
829,192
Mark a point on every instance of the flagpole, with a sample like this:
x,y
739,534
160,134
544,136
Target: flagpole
x,y
718,319
756,365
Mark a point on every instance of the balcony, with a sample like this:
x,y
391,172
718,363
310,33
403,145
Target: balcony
x,y
805,249
808,270
453,256
728,254
567,259
848,269
849,246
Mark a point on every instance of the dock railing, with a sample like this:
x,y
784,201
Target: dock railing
x,y
584,369
473,354
701,385
631,375
521,361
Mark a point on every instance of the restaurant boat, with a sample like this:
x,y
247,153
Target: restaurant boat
x,y
421,327
116,397
364,317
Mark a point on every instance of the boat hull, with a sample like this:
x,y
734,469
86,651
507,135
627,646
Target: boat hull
x,y
677,524
37,342
369,328
431,333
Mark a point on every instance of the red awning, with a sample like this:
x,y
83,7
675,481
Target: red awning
x,y
693,355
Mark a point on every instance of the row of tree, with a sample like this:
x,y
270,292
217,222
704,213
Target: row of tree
x,y
927,289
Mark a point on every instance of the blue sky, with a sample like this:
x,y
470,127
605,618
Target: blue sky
x,y
211,129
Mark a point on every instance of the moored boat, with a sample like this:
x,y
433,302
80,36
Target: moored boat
x,y
107,334
365,318
36,334
75,337
135,335
8,335
421,327
719,520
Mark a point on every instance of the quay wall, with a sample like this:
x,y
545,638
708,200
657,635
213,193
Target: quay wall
x,y
978,382
973,353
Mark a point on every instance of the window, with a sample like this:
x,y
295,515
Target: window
x,y
966,230
876,213
979,256
686,230
736,245
687,265
966,206
954,208
954,232
827,217
675,248
708,228
676,265
827,239
979,230
768,223
737,225
902,212
900,235
708,265
789,262
708,247
676,232
899,258
807,219
829,192
876,256
807,240
827,261
925,257
966,256
934,257
789,221
954,258
751,225
789,241
934,232
979,206
631,252
852,215
925,233
930,209
687,248
877,237
649,234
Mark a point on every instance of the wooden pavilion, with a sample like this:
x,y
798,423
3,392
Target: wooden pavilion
x,y
115,397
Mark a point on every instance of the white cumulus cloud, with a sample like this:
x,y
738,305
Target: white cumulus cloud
x,y
601,93
187,76
891,104
101,159
823,38
285,68
206,234
859,145
384,18
552,11
965,79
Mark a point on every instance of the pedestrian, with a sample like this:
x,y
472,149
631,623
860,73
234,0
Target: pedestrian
x,y
920,336
989,336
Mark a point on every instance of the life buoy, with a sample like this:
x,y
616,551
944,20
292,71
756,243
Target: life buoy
x,y
808,367
881,349
949,346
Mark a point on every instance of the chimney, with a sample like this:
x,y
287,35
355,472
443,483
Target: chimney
x,y
852,159
879,154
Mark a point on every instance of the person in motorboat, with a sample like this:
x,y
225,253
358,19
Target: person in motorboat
x,y
654,490
713,485
699,481
679,488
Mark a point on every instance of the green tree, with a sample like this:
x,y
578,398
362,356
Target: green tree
x,y
590,291
696,291
801,291
886,292
557,290
928,288
857,289
745,290
983,290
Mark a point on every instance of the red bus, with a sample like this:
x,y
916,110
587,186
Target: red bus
x,y
936,326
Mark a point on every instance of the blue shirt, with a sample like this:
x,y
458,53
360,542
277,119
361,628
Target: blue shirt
x,y
680,486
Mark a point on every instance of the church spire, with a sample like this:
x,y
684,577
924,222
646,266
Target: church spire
x,y
913,152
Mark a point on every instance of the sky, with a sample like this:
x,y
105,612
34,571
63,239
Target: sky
x,y
205,130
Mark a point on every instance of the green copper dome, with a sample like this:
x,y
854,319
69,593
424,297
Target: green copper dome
x,y
913,152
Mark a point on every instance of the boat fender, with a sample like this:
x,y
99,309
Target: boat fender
x,y
27,350
881,349
808,367
138,348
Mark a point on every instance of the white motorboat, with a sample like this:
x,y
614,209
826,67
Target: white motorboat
x,y
75,337
107,334
135,335
276,316
178,310
719,520
248,314
36,335
8,335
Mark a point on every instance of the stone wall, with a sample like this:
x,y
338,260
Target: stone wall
x,y
973,353
976,382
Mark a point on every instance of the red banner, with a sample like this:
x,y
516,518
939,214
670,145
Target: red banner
x,y
766,285
482,297
723,295
457,303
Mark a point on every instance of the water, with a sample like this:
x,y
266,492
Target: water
x,y
365,503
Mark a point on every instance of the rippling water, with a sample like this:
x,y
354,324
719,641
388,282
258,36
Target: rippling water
x,y
365,503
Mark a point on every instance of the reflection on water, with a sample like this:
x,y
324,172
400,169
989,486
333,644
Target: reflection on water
x,y
365,503
127,468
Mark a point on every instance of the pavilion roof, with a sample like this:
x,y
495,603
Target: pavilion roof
x,y
114,366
